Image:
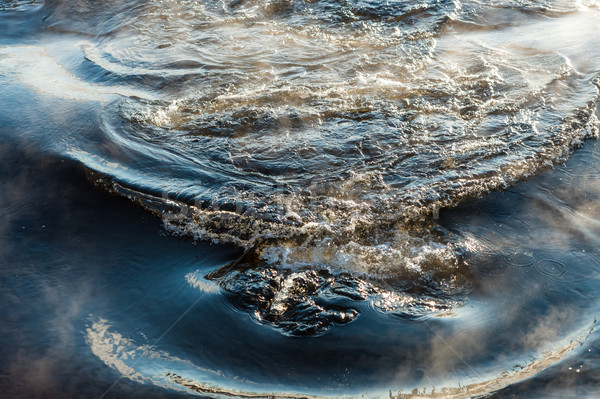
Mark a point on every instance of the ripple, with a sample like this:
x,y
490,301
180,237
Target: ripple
x,y
552,269
584,165
20,5
520,259
489,264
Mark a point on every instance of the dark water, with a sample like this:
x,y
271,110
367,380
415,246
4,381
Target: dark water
x,y
299,198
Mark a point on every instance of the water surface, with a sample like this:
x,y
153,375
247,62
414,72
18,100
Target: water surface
x,y
308,198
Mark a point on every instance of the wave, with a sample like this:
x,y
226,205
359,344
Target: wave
x,y
325,137
344,167
147,364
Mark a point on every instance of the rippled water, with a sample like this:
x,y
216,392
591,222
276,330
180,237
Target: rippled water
x,y
356,198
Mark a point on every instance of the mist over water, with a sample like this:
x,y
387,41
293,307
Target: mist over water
x,y
377,192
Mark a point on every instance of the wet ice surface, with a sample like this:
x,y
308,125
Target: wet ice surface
x,y
339,157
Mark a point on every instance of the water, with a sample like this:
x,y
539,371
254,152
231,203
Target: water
x,y
307,198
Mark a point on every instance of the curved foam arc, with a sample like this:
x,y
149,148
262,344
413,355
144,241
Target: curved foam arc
x,y
96,55
196,280
140,363
34,67
519,373
145,364
101,171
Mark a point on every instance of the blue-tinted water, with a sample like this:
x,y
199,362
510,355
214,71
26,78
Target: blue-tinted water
x,y
299,198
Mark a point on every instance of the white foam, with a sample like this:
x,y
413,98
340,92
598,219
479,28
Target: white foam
x,y
36,68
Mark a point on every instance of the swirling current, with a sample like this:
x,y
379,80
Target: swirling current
x,y
398,196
